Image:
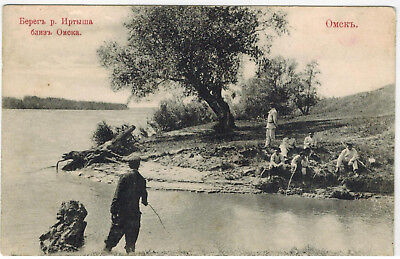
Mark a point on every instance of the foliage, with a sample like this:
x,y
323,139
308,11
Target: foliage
x,y
105,132
305,93
200,47
174,114
272,87
279,84
34,102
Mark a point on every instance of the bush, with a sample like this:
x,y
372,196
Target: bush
x,y
102,134
105,132
256,100
174,114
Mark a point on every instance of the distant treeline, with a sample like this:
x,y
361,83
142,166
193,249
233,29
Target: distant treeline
x,y
34,102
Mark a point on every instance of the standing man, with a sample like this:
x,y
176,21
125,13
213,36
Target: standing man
x,y
125,213
272,123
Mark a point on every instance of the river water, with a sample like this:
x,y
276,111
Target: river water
x,y
217,223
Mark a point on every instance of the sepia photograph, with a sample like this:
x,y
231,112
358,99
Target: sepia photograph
x,y
180,130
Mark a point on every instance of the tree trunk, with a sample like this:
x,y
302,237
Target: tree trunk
x,y
226,121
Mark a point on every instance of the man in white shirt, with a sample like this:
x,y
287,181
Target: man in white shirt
x,y
277,160
276,164
348,157
299,163
287,145
272,123
310,142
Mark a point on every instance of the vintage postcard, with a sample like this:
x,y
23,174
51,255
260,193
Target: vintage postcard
x,y
197,130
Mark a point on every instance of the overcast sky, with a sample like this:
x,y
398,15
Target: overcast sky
x,y
351,60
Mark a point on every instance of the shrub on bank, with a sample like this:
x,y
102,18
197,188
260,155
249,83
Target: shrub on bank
x,y
173,114
102,134
105,132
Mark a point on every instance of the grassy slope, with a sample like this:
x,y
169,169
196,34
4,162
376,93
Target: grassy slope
x,y
373,103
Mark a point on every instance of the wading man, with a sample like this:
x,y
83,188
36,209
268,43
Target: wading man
x,y
125,213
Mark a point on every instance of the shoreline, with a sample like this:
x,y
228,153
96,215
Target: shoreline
x,y
191,180
196,159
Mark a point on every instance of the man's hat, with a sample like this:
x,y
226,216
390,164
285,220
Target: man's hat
x,y
133,161
349,143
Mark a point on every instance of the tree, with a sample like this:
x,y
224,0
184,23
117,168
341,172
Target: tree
x,y
306,91
272,87
199,47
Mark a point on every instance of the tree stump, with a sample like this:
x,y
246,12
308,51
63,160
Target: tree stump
x,y
67,235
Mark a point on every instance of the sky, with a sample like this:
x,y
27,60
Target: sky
x,y
351,59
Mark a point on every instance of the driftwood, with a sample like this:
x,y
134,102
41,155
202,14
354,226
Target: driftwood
x,y
67,234
105,153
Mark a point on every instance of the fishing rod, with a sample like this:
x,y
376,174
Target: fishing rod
x,y
40,169
290,180
159,218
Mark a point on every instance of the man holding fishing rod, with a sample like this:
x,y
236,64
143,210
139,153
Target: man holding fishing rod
x,y
125,213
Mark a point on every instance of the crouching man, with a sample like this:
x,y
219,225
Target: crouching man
x,y
299,165
277,163
125,213
348,158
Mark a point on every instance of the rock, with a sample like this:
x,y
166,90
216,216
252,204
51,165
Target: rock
x,y
309,195
364,183
271,184
240,160
293,191
250,172
320,191
67,235
342,193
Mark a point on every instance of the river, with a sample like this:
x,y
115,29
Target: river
x,y
217,223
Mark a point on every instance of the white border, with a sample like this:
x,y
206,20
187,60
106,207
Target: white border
x,y
393,3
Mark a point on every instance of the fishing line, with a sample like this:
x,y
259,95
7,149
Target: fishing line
x,y
162,224
290,180
40,169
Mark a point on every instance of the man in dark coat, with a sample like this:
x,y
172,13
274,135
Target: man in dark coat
x,y
125,211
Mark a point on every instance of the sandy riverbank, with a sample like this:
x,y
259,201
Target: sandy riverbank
x,y
195,159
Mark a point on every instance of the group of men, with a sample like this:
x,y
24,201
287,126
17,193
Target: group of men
x,y
348,158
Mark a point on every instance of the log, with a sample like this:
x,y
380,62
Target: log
x,y
100,154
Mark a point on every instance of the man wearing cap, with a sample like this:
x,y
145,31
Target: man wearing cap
x,y
272,123
300,164
277,161
348,158
310,142
125,213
